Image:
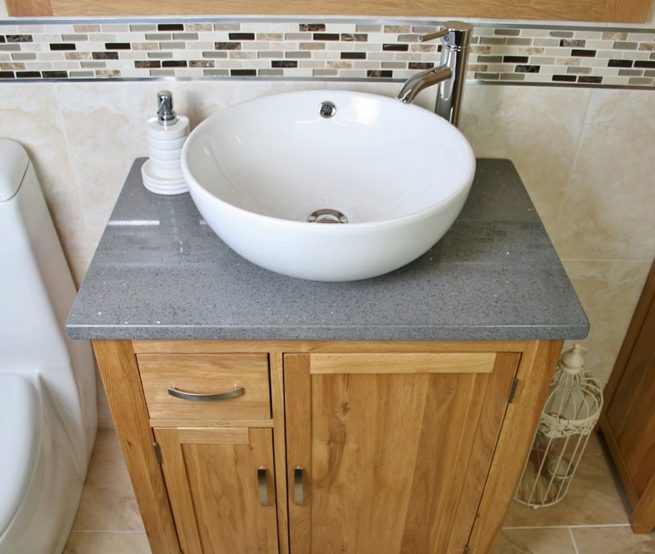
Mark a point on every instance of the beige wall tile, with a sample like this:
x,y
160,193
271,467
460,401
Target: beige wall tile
x,y
608,291
104,123
537,128
84,542
29,115
535,541
609,212
613,540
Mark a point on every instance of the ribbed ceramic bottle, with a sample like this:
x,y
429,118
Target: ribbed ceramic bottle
x,y
162,173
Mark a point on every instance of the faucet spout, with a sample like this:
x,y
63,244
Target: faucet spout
x,y
422,80
449,75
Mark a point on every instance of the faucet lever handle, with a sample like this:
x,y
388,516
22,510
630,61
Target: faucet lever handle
x,y
431,36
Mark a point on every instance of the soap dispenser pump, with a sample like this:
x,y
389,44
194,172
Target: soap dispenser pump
x,y
167,131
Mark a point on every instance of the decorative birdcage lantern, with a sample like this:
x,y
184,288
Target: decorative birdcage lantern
x,y
569,416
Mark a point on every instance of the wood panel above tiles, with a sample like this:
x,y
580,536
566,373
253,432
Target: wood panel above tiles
x,y
634,11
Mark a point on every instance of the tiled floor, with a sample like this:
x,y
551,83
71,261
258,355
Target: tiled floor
x,y
108,520
592,519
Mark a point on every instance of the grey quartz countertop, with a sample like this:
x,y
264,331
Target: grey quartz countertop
x,y
161,273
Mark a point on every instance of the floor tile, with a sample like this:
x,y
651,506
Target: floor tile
x,y
595,497
102,542
536,541
612,540
108,502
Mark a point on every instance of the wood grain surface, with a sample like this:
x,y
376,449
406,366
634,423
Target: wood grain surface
x,y
581,10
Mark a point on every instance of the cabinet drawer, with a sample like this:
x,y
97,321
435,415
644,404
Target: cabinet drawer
x,y
193,386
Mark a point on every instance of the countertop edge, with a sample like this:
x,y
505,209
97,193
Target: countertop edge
x,y
369,333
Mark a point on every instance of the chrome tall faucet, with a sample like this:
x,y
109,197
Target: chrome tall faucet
x,y
450,74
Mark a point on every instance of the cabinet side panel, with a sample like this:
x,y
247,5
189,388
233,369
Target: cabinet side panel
x,y
535,373
120,377
637,441
626,395
643,517
638,318
631,415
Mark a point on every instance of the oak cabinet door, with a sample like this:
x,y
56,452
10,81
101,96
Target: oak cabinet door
x,y
389,453
220,484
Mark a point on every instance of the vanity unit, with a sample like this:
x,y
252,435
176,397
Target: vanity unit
x,y
261,413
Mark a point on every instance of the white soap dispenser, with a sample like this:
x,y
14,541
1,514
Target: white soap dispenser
x,y
162,173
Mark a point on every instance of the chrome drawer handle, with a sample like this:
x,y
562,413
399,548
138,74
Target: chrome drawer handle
x,y
298,486
206,396
261,485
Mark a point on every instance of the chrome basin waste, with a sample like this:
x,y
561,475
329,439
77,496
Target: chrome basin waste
x,y
328,185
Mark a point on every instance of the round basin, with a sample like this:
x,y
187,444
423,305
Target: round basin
x,y
328,185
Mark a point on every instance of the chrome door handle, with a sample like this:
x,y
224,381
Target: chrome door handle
x,y
206,396
262,486
298,486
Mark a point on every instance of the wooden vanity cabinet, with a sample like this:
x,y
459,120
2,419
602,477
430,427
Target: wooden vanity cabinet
x,y
363,447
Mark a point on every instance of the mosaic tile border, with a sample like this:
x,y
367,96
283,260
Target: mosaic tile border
x,y
319,49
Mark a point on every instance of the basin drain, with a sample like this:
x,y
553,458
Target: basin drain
x,y
326,215
327,109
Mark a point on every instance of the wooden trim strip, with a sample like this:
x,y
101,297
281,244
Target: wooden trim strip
x,y
297,397
420,362
279,450
213,435
212,423
300,346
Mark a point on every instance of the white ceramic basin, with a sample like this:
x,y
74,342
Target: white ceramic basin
x,y
400,175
